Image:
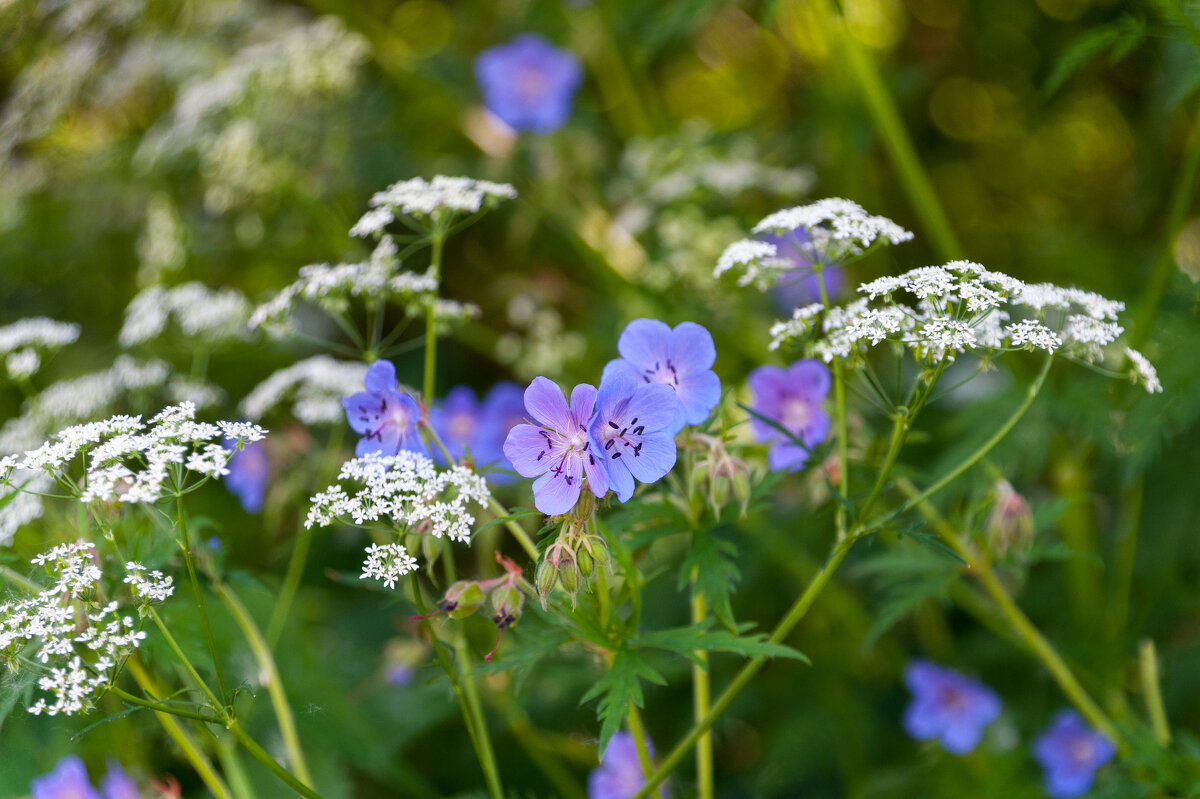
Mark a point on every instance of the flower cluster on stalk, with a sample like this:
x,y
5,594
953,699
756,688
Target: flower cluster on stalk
x,y
24,343
201,313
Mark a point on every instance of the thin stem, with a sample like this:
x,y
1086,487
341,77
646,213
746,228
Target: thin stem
x,y
1148,668
14,576
291,584
701,704
238,779
191,752
430,321
793,617
217,704
162,707
181,523
1037,643
268,674
639,740
491,771
538,750
518,532
839,393
263,757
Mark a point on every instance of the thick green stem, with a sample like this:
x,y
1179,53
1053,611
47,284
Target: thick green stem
x,y
269,674
262,756
431,322
1148,668
198,594
898,143
701,705
639,740
191,752
1037,643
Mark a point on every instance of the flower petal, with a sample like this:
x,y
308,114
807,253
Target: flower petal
x,y
616,390
386,443
698,393
691,349
620,480
583,404
644,342
655,459
546,404
597,472
381,376
527,450
363,411
622,365
554,493
809,379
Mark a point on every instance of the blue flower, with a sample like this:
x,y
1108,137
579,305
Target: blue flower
x,y
632,430
792,397
68,780
1070,752
458,421
557,450
385,417
799,284
503,409
620,773
529,83
948,706
249,469
681,358
116,784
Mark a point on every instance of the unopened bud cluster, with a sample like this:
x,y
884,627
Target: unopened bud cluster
x,y
571,561
464,597
720,473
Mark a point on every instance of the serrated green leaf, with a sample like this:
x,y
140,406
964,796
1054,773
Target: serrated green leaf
x,y
687,641
930,541
616,689
1118,39
712,561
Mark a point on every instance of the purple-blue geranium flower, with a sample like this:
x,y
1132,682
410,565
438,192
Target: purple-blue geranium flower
x,y
681,358
792,397
529,83
799,285
948,706
116,784
249,469
458,420
557,450
633,430
68,780
1070,752
619,775
385,417
503,409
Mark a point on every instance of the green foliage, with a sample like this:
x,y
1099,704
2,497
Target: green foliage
x,y
618,688
711,569
687,641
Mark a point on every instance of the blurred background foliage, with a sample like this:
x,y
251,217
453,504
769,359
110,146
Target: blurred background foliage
x,y
231,142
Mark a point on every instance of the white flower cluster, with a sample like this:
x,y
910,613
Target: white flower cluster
x,y
833,230
1143,371
959,307
332,287
129,460
200,312
408,492
24,342
387,563
315,385
152,587
425,200
17,511
80,643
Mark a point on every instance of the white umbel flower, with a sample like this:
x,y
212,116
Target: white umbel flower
x,y
426,200
314,386
1144,372
387,563
201,313
37,333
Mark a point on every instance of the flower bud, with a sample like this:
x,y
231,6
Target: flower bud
x,y
462,599
506,604
568,572
545,579
1010,525
586,564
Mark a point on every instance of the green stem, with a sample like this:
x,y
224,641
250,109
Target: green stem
x,y
702,704
191,752
238,779
262,756
181,521
538,750
269,674
491,771
518,532
839,393
165,708
898,143
1164,266
639,740
184,661
291,584
1037,643
15,577
1124,554
1148,667
793,617
430,322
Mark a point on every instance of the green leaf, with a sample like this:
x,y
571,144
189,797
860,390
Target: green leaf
x,y
513,515
930,541
1118,39
687,641
616,689
711,560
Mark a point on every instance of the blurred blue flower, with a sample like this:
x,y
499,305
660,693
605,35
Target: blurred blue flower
x,y
116,784
68,780
458,420
799,285
619,775
556,449
249,469
948,706
385,417
634,430
503,409
529,83
1070,752
681,358
792,397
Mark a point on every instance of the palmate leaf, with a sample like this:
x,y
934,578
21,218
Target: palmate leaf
x,y
712,561
907,577
616,689
687,641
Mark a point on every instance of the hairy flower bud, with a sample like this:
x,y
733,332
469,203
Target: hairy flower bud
x,y
545,579
587,565
1010,525
506,604
462,599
